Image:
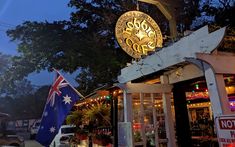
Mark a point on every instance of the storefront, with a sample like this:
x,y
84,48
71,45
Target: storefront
x,y
200,87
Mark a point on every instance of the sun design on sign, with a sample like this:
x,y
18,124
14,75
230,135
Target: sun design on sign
x,y
137,33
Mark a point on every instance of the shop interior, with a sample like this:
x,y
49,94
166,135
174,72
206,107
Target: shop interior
x,y
148,110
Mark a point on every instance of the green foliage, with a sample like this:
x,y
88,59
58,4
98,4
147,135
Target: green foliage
x,y
74,45
5,62
98,115
25,106
87,42
75,118
223,16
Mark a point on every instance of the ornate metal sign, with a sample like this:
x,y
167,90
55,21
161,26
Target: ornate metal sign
x,y
137,33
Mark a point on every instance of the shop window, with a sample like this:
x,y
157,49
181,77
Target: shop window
x,y
230,89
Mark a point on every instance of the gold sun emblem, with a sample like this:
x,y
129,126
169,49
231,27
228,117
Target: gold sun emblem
x,y
137,33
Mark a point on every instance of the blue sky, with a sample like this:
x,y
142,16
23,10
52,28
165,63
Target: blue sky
x,y
15,12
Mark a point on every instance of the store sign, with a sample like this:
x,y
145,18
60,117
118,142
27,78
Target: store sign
x,y
138,34
226,130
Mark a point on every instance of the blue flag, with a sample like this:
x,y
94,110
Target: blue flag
x,y
61,98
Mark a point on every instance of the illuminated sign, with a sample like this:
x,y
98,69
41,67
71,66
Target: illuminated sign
x,y
137,33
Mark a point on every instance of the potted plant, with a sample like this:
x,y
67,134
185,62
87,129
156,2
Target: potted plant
x,y
98,116
77,118
81,134
102,139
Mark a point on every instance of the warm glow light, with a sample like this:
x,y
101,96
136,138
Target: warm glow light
x,y
230,89
232,103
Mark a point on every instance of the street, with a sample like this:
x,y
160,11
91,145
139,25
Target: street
x,y
32,143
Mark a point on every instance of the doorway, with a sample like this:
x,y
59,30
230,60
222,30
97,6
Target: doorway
x,y
148,120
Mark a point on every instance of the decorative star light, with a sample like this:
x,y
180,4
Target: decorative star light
x,y
42,127
141,34
52,129
67,99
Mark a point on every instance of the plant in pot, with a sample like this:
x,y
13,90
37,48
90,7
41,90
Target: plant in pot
x,y
81,134
99,116
77,118
102,139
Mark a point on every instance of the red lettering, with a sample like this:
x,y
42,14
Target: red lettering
x,y
227,124
232,133
222,140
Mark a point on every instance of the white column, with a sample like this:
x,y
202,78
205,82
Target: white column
x,y
127,100
217,92
127,103
155,121
142,119
170,129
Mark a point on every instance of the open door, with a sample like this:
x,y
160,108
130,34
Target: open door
x,y
143,109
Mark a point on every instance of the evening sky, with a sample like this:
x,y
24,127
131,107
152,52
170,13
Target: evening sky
x,y
15,12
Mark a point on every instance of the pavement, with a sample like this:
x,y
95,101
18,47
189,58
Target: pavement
x,y
28,142
32,143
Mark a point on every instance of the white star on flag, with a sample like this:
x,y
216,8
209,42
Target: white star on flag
x,y
45,113
67,99
52,129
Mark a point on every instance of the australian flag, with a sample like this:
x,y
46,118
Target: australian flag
x,y
61,98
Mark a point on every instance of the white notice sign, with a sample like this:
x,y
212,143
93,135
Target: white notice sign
x,y
226,130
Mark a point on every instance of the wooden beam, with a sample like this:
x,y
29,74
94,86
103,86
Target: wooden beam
x,y
199,41
224,64
144,88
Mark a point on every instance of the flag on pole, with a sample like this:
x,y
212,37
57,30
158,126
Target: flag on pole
x,y
61,98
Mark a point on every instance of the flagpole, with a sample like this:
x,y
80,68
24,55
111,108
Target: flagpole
x,y
69,84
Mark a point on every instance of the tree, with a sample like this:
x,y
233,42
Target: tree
x,y
28,105
71,45
217,14
86,42
4,62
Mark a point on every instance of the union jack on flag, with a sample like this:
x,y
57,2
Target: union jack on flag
x,y
55,89
61,98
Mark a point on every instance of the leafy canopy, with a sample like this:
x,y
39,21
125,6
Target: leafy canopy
x,y
87,42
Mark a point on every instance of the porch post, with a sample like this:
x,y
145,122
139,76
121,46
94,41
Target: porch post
x,y
169,123
181,116
218,95
127,106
